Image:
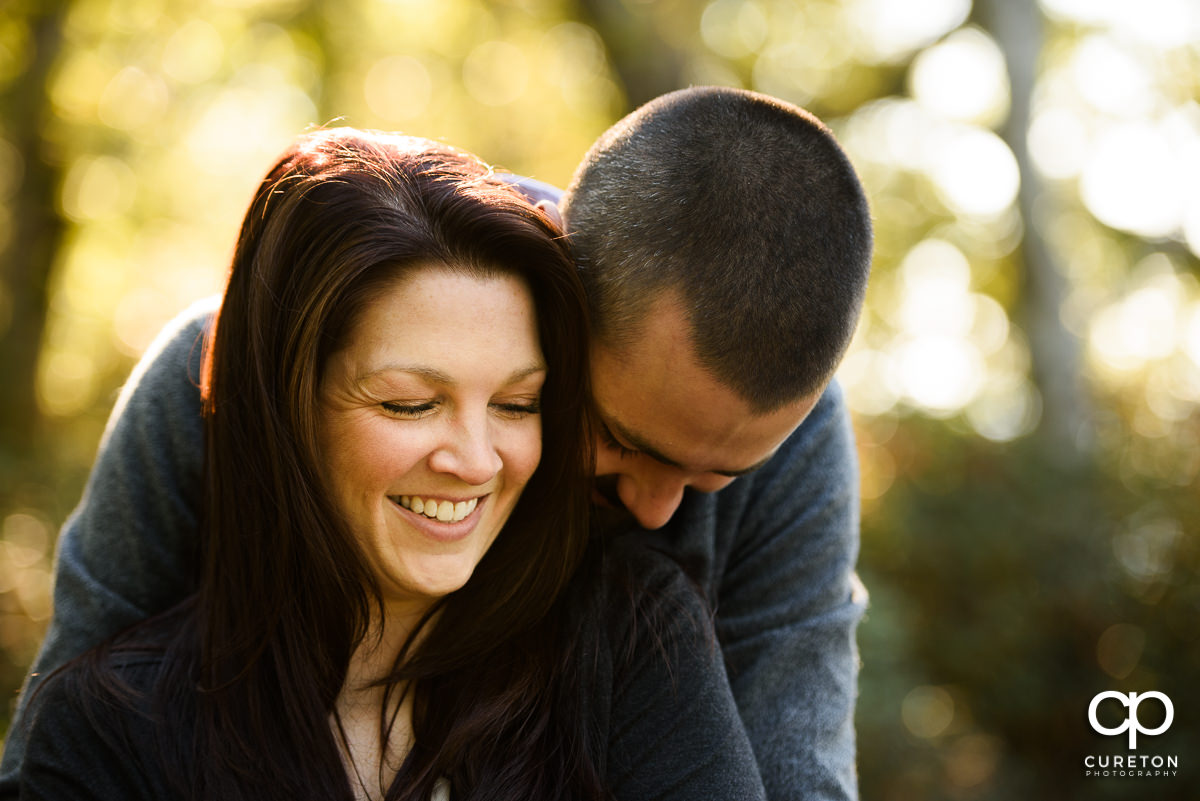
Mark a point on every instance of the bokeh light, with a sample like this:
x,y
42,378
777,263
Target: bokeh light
x,y
1133,181
889,30
927,711
398,88
976,173
496,73
962,78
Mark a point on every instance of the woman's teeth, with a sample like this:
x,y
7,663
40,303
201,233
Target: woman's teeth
x,y
443,511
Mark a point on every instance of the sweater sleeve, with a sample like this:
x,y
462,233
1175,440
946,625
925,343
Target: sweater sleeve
x,y
788,605
127,550
674,730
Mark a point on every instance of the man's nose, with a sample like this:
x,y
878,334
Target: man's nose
x,y
653,500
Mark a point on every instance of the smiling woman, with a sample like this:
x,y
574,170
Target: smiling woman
x,y
430,429
399,596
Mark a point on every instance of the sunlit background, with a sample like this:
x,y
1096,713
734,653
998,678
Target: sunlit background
x,y
1025,380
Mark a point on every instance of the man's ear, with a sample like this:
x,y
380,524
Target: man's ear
x,y
550,208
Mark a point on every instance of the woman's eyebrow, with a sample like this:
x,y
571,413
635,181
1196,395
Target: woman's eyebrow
x,y
430,374
436,376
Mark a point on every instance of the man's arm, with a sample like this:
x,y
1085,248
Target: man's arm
x,y
127,550
789,605
776,553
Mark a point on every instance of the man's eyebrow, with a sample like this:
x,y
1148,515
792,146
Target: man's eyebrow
x,y
745,471
640,444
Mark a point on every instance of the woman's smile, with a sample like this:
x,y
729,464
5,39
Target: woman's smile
x,y
442,519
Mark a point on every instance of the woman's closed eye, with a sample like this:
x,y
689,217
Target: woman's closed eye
x,y
409,409
518,408
415,410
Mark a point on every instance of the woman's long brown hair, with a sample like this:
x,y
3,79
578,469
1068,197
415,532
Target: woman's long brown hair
x,y
285,595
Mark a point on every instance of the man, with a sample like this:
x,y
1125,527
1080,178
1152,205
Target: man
x,y
724,241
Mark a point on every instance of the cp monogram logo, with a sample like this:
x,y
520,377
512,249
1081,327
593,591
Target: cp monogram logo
x,y
1131,722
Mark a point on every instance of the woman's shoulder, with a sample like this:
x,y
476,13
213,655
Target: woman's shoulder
x,y
117,681
93,724
641,599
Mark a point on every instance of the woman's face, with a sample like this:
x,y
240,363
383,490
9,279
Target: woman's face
x,y
429,425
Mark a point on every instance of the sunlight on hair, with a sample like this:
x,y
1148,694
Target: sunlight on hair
x,y
962,78
398,88
496,73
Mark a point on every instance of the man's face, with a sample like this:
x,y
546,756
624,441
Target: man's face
x,y
667,424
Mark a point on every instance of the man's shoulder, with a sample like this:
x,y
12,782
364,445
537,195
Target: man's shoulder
x,y
180,340
819,452
170,366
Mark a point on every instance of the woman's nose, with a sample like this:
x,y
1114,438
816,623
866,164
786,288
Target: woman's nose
x,y
467,452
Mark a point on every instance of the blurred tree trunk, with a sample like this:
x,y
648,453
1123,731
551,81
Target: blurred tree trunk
x,y
1067,423
646,64
37,230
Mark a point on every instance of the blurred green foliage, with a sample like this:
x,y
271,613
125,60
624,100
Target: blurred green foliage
x,y
1025,378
